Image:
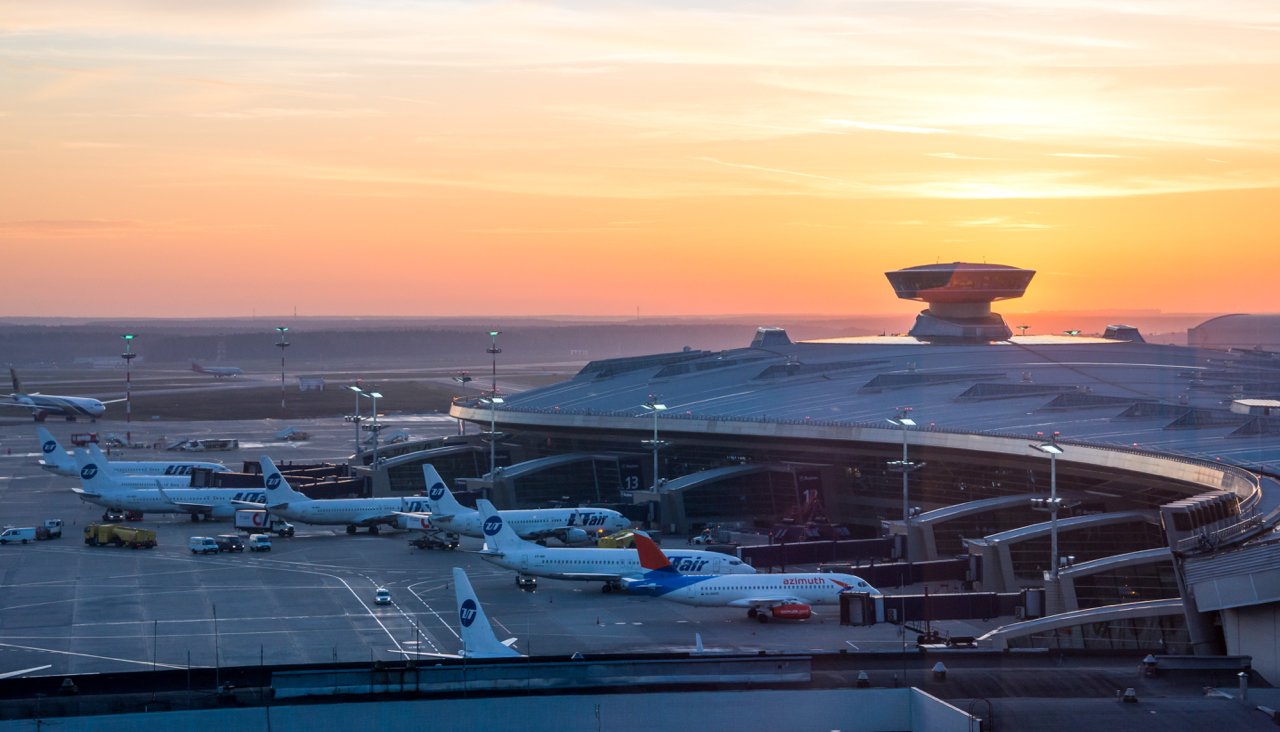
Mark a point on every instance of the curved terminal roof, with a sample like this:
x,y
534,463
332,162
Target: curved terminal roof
x,y
1166,399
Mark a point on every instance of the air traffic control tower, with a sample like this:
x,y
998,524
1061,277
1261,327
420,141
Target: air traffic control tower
x,y
960,296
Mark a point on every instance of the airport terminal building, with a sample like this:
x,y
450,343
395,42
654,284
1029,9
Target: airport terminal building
x,y
1137,466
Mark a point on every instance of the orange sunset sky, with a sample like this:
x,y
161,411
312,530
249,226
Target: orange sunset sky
x,y
599,158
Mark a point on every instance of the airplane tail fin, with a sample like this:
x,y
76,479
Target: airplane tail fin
x,y
104,463
17,385
439,498
498,534
93,476
55,458
478,639
278,489
651,556
196,367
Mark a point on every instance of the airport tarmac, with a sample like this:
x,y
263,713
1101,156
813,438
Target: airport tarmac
x,y
84,609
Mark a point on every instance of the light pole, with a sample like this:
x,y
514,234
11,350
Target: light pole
x,y
653,406
905,466
464,378
375,396
128,357
356,418
492,435
282,344
1054,503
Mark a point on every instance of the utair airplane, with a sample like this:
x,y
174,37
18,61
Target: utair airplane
x,y
157,494
610,566
43,405
478,638
788,595
217,372
569,525
58,461
287,503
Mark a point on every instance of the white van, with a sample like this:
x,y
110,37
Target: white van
x,y
12,534
260,543
202,545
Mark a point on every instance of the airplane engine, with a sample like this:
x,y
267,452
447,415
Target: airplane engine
x,y
575,536
794,611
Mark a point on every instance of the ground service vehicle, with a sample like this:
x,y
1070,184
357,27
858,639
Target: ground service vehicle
x,y
433,541
14,534
117,535
260,543
50,529
202,545
257,521
229,542
382,596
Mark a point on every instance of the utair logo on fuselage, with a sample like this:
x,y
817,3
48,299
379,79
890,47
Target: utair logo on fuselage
x,y
88,471
177,470
687,565
582,518
436,493
492,525
250,497
49,446
467,613
273,481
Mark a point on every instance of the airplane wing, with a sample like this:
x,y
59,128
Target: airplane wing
x,y
593,576
22,672
83,492
374,518
183,505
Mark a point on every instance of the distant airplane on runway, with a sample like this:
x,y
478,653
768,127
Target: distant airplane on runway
x,y
43,405
217,372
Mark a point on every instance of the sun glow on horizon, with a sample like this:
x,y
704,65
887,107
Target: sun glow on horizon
x,y
535,158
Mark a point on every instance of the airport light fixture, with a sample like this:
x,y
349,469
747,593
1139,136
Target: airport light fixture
x,y
492,435
653,406
128,357
375,396
282,344
356,418
1053,504
904,466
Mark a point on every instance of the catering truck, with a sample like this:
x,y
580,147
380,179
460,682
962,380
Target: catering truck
x,y
257,521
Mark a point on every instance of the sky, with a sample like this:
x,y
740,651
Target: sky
x,y
178,158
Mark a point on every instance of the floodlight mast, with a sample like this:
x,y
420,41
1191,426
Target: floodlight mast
x,y
128,357
904,421
282,344
656,408
356,418
494,401
1053,450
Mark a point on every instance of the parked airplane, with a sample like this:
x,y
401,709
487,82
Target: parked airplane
x,y
787,595
157,494
58,461
285,502
569,525
43,405
610,566
218,372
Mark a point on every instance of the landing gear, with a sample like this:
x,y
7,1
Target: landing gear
x,y
611,586
351,529
373,530
762,617
195,517
752,613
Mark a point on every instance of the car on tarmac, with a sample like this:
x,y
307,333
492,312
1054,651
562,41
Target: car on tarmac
x,y
202,545
229,542
382,596
260,543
